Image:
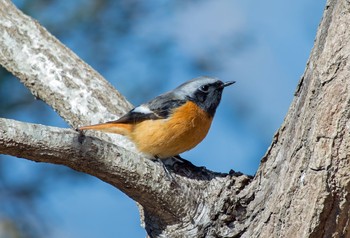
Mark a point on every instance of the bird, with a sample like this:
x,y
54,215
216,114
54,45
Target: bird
x,y
173,122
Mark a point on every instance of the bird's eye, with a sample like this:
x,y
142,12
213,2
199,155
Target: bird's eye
x,y
204,88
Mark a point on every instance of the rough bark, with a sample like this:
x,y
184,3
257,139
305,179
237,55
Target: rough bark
x,y
301,188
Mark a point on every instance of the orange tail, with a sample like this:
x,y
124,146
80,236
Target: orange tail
x,y
110,127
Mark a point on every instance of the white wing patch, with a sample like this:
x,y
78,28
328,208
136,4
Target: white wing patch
x,y
143,109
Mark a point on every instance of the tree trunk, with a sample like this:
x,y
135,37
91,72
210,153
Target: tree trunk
x,y
301,188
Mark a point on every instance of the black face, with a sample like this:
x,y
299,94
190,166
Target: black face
x,y
208,96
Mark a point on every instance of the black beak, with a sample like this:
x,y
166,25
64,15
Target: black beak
x,y
227,84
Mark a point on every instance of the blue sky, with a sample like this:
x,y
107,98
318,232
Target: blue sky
x,y
264,46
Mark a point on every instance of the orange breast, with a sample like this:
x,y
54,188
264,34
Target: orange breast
x,y
182,131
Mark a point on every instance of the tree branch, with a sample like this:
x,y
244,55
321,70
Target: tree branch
x,y
53,73
137,177
109,162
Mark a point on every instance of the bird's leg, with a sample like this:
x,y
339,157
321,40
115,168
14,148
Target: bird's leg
x,y
183,161
168,174
178,158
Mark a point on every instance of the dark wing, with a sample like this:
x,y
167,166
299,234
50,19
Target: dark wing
x,y
164,105
135,116
158,108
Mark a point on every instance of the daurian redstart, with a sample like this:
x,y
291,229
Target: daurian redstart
x,y
173,122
